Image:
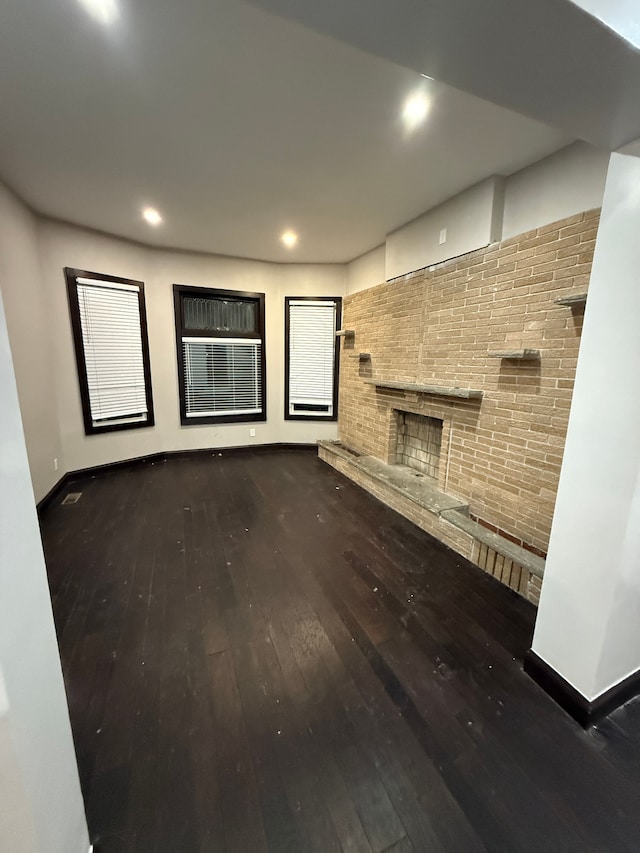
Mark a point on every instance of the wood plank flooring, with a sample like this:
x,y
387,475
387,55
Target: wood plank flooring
x,y
259,656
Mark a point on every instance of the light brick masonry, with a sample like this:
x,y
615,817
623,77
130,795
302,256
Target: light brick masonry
x,y
501,454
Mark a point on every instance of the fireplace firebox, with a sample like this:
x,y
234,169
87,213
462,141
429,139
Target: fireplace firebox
x,y
419,443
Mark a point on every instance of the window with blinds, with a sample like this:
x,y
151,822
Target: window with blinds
x,y
312,352
221,360
112,351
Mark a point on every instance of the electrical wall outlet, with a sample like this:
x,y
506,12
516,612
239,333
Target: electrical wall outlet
x,y
252,433
55,464
443,236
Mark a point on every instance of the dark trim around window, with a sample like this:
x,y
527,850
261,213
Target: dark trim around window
x,y
240,295
71,275
336,358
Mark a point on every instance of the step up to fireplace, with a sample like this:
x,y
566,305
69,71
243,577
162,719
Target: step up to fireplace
x,y
415,496
523,558
408,482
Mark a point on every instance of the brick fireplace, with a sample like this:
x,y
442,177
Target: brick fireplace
x,y
468,382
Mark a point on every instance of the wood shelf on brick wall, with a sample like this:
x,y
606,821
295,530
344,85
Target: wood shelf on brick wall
x,y
576,299
516,354
345,333
362,356
433,390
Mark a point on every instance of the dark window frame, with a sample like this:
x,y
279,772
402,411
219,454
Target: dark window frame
x,y
260,334
71,274
336,358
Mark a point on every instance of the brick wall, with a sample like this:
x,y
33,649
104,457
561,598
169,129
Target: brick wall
x,y
502,454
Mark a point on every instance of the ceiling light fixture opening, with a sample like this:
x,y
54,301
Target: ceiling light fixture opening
x,y
105,12
289,238
151,215
415,110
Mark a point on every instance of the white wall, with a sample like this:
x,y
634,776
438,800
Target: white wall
x,y
567,182
367,270
39,775
470,219
16,817
28,322
64,245
33,253
588,625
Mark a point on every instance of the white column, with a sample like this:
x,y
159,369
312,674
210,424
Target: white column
x,y
16,818
39,777
588,625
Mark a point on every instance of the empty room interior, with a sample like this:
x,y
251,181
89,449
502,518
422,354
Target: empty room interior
x,y
319,426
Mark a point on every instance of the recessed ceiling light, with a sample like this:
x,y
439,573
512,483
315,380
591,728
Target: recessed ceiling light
x,y
105,12
289,238
152,216
415,110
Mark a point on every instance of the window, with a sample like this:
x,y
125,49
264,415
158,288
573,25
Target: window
x,y
112,351
221,355
312,354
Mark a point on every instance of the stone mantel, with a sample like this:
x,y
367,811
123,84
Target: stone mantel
x,y
433,390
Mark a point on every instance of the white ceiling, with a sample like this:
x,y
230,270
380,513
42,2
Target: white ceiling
x,y
621,16
235,124
573,64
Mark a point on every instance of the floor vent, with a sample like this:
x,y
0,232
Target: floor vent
x,y
72,498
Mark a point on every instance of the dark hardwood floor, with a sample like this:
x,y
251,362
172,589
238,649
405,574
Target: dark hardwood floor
x,y
259,656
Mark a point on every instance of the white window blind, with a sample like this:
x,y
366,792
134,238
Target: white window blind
x,y
222,376
312,339
112,343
